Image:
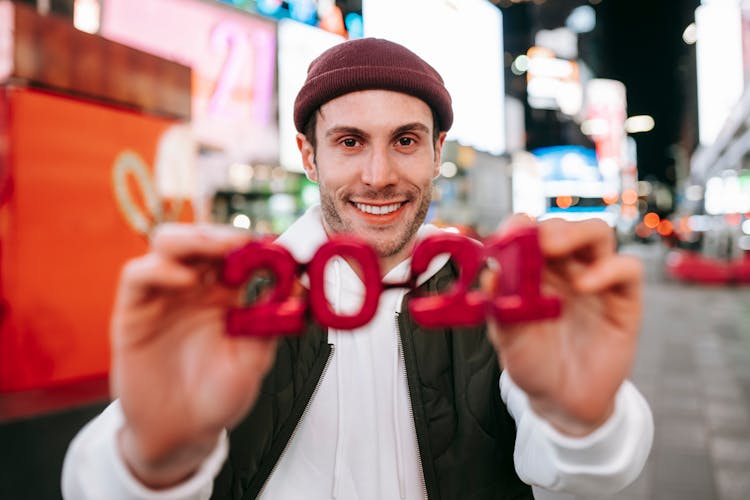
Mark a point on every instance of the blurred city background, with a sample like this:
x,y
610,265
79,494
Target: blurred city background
x,y
117,115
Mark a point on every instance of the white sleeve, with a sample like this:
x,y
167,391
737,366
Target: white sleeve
x,y
602,462
93,468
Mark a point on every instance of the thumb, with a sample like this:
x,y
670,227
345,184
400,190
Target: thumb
x,y
513,222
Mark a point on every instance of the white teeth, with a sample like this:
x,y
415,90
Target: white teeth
x,y
378,210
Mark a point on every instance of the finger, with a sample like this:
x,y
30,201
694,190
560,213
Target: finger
x,y
493,334
488,281
560,238
258,353
513,222
618,271
254,357
154,271
185,241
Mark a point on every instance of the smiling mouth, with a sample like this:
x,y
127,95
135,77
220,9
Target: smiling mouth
x,y
378,209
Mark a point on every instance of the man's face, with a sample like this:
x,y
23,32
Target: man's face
x,y
374,162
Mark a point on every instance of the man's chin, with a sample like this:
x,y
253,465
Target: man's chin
x,y
387,236
384,247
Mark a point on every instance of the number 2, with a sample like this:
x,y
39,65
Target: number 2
x,y
459,306
276,314
233,36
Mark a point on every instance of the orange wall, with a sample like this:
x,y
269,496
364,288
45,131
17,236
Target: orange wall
x,y
63,239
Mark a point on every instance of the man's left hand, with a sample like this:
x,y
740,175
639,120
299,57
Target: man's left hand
x,y
572,366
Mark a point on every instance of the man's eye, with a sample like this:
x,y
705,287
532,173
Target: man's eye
x,y
349,143
405,141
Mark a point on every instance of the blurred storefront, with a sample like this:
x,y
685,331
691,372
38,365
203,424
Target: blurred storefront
x,y
715,201
191,120
92,142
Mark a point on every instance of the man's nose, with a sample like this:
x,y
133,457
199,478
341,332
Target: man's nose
x,y
380,171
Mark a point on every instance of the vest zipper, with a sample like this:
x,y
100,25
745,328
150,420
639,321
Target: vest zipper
x,y
411,409
296,427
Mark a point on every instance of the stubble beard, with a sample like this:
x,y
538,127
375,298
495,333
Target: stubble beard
x,y
390,244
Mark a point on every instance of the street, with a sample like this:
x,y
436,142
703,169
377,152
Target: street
x,y
693,366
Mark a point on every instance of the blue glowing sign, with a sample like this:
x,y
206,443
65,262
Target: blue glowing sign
x,y
304,11
568,163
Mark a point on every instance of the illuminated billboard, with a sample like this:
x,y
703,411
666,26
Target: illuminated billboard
x,y
299,44
553,83
729,194
574,185
719,62
606,110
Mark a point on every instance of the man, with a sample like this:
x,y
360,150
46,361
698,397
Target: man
x,y
389,410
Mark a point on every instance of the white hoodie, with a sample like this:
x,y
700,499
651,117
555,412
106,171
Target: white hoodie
x,y
357,439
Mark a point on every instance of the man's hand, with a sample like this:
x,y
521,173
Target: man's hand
x,y
572,366
180,379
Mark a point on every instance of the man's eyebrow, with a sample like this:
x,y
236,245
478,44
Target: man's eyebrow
x,y
344,130
412,127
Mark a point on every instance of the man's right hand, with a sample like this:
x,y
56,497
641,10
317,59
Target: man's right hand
x,y
180,378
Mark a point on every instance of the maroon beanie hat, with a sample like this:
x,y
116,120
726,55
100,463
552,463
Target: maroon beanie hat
x,y
366,64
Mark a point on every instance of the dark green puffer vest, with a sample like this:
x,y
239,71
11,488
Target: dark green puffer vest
x,y
465,434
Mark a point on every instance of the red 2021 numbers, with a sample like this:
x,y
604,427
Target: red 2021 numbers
x,y
516,295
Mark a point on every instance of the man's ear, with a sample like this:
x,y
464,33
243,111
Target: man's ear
x,y
438,153
307,151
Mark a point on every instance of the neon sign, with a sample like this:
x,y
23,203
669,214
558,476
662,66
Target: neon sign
x,y
233,58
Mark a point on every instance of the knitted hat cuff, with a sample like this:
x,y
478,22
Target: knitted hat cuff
x,y
359,65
